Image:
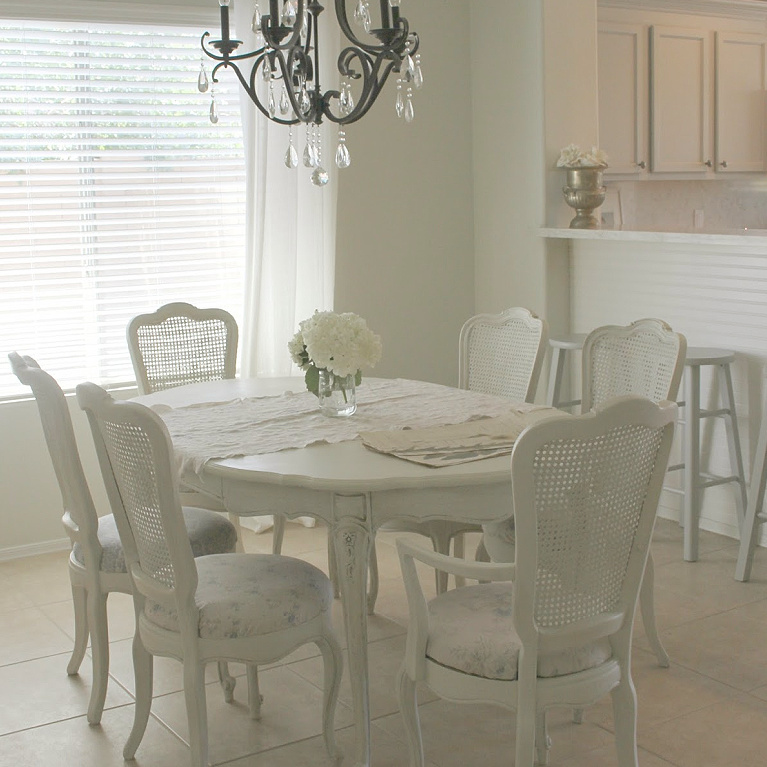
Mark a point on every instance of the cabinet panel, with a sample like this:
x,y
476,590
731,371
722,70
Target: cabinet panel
x,y
740,102
680,110
623,96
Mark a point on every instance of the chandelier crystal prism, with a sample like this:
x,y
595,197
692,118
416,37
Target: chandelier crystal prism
x,y
284,77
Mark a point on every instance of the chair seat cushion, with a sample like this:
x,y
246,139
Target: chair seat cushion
x,y
209,533
471,630
243,595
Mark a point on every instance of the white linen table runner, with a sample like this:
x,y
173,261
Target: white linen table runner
x,y
253,426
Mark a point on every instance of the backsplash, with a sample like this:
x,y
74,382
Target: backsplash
x,y
672,205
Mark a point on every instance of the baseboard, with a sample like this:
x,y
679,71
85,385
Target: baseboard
x,y
33,549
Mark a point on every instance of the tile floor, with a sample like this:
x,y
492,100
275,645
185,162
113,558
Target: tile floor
x,y
708,710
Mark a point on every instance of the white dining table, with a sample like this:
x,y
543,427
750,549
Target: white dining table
x,y
354,490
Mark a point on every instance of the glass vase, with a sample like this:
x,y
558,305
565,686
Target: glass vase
x,y
337,394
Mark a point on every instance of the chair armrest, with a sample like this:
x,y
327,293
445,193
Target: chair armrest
x,y
480,571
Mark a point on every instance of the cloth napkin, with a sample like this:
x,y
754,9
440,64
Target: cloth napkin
x,y
438,446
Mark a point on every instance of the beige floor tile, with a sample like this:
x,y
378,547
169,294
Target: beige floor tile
x,y
42,579
120,616
28,634
40,691
168,672
74,742
385,657
456,735
292,711
607,757
722,735
11,598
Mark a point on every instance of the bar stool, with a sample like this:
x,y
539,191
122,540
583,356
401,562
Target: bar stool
x,y
560,345
696,481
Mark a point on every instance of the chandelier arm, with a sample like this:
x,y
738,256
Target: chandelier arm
x,y
374,77
398,32
229,57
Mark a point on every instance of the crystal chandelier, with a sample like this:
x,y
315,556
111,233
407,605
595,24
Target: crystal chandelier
x,y
284,77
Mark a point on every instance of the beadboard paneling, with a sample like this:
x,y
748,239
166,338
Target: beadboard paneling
x,y
717,297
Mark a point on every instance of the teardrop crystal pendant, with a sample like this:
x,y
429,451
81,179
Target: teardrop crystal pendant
x,y
213,113
343,158
399,105
289,13
407,69
266,69
272,107
284,102
309,161
305,104
255,24
418,76
291,156
320,177
362,15
202,80
409,111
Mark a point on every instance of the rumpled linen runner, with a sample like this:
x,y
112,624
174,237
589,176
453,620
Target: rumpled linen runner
x,y
253,426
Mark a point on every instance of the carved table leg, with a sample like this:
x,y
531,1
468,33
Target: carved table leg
x,y
352,540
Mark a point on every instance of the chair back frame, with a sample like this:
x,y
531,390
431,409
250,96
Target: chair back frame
x,y
80,518
644,358
502,354
180,344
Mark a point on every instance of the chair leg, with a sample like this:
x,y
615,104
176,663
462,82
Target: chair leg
x,y
333,567
278,533
255,699
459,551
227,681
235,520
333,669
143,673
79,600
99,631
408,706
542,740
625,720
647,608
196,711
440,540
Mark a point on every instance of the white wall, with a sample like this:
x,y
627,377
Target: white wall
x,y
405,228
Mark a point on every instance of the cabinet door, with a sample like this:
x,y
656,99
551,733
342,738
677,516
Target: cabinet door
x,y
679,100
623,96
740,102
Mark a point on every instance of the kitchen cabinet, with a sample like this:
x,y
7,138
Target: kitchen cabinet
x,y
680,100
623,96
740,102
685,100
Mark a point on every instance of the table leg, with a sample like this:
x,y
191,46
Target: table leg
x,y
352,540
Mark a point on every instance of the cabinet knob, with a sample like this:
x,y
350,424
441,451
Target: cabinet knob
x,y
723,163
708,163
642,164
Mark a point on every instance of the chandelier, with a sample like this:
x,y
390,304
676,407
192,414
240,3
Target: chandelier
x,y
284,77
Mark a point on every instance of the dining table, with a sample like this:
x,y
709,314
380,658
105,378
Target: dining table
x,y
414,451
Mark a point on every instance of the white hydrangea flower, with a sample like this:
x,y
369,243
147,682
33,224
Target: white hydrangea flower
x,y
573,157
340,343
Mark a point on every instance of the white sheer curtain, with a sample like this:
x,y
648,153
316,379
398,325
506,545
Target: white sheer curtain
x,y
290,222
290,227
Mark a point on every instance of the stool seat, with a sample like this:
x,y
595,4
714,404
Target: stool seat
x,y
703,355
569,341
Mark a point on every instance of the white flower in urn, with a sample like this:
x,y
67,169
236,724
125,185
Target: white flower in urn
x,y
339,343
573,156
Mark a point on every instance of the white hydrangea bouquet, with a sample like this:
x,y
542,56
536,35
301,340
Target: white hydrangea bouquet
x,y
342,344
573,156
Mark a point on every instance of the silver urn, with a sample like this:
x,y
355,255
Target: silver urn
x,y
585,193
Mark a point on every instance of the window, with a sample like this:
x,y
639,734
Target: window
x,y
117,194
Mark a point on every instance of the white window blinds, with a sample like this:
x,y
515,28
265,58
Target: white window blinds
x,y
117,194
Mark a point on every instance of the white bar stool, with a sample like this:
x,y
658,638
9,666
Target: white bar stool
x,y
696,481
560,345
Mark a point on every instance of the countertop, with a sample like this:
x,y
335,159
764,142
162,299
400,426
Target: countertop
x,y
727,237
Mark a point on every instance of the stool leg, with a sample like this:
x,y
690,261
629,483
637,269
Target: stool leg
x,y
755,505
692,463
733,439
553,396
